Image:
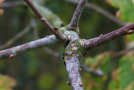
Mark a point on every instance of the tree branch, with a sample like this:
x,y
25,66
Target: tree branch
x,y
12,4
72,67
75,19
94,72
31,45
16,37
101,11
61,37
46,49
122,52
102,39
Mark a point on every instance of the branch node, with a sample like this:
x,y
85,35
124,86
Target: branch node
x,y
11,56
76,16
42,19
63,24
130,32
68,83
56,28
81,85
101,35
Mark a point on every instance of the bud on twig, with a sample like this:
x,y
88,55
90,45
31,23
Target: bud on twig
x,y
11,56
56,28
130,32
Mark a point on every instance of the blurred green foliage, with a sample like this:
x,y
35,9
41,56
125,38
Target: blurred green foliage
x,y
126,8
46,81
101,62
123,77
40,70
6,82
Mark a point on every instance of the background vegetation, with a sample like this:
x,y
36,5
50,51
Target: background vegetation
x,y
43,68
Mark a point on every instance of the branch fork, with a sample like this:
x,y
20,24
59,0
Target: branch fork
x,y
75,47
59,35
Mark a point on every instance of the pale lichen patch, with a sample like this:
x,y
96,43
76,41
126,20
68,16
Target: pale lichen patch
x,y
74,48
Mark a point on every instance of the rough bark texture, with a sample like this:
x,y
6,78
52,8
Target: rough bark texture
x,y
72,58
31,45
75,47
72,67
75,19
102,39
58,34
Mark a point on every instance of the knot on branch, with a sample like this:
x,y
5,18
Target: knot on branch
x,y
130,32
73,29
74,47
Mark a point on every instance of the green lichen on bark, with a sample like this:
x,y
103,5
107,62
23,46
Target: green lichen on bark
x,y
74,50
74,47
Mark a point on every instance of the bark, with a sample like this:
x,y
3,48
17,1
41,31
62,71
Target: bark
x,y
102,39
101,11
31,45
72,67
76,16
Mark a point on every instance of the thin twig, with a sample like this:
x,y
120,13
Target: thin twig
x,y
101,11
12,4
122,52
36,36
75,19
31,45
59,35
16,37
94,72
52,52
102,39
35,30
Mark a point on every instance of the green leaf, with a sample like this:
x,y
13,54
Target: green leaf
x,y
102,62
6,82
125,75
126,7
113,85
126,72
129,38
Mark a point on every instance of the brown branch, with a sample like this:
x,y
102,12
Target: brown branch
x,y
61,37
31,45
101,11
72,67
75,19
102,39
